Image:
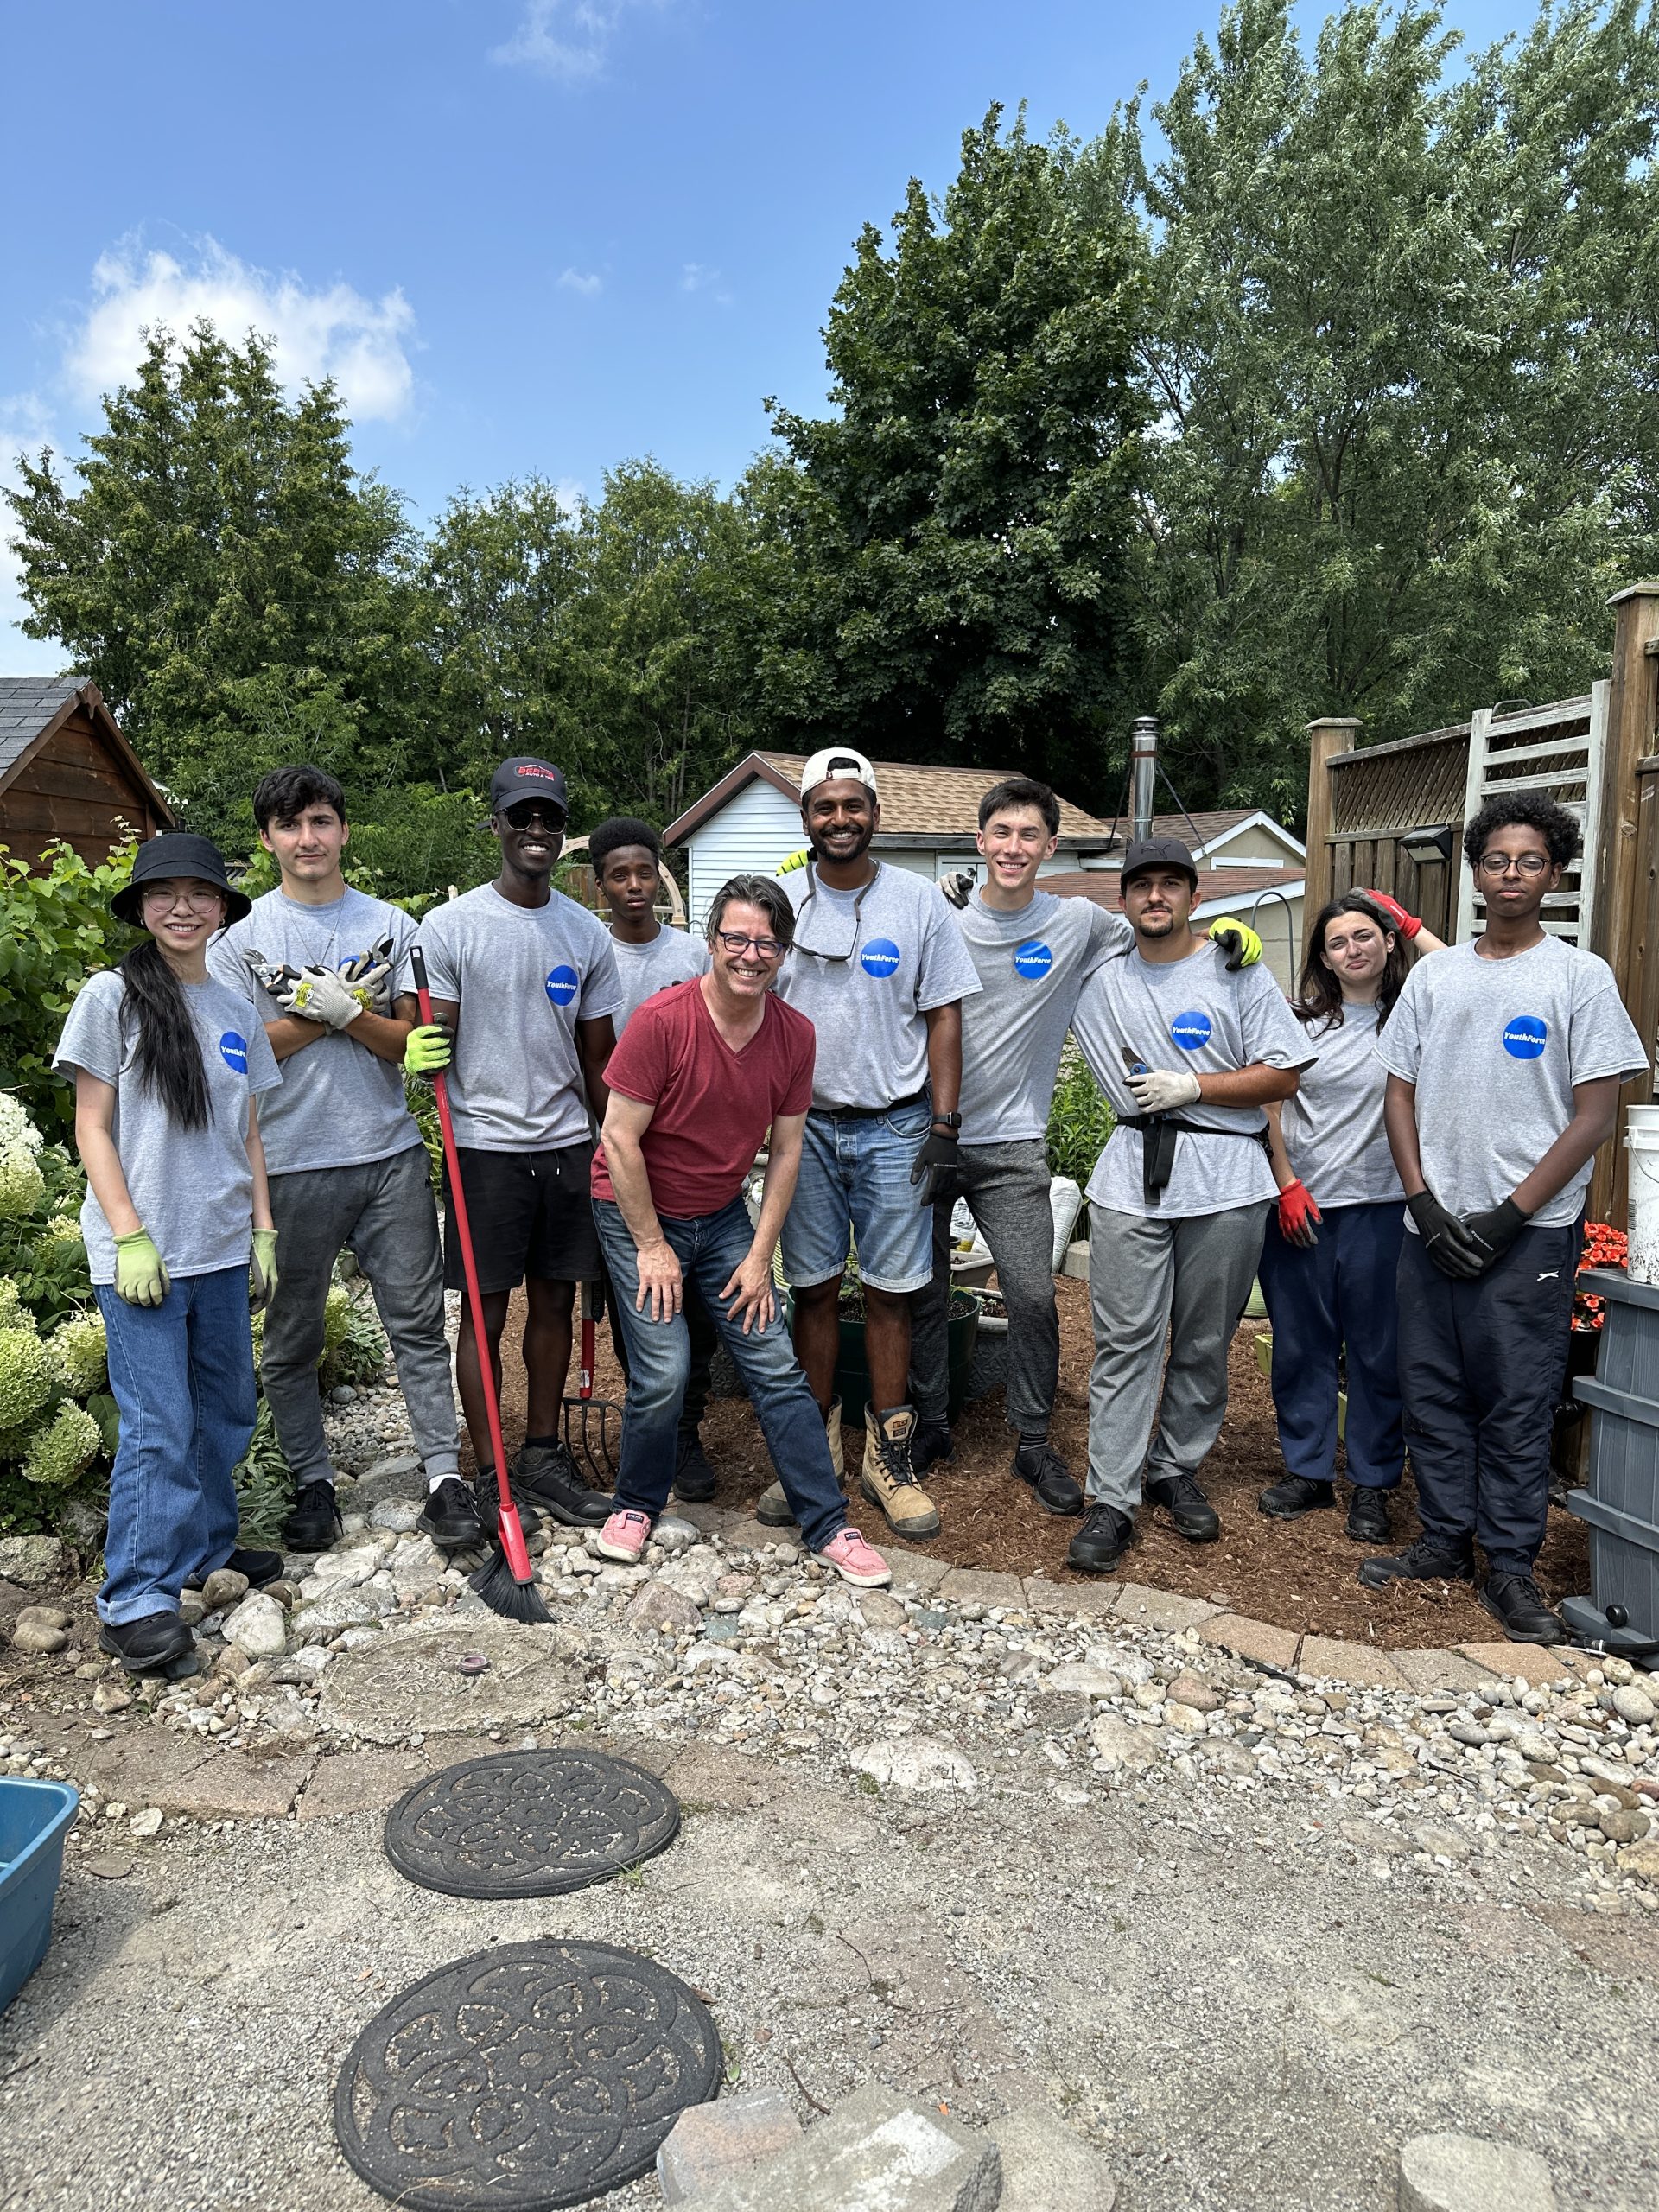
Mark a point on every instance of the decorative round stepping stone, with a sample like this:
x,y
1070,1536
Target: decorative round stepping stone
x,y
529,1824
527,2077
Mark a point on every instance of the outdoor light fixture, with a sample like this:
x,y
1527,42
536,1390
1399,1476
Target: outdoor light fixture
x,y
1433,843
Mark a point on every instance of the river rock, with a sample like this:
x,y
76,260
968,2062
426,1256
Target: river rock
x,y
920,1763
1082,1678
1461,2173
1635,1705
1120,1744
31,1561
37,1637
258,1626
659,1605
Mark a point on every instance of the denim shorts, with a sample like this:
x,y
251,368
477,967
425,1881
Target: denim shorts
x,y
855,1186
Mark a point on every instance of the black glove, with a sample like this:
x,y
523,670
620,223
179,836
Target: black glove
x,y
1447,1240
937,1167
957,888
1496,1229
1231,943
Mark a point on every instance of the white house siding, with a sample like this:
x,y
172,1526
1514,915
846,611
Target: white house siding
x,y
755,830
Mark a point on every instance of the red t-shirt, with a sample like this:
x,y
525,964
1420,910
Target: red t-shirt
x,y
713,1106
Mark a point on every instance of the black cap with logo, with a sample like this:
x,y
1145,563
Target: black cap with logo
x,y
1156,852
523,778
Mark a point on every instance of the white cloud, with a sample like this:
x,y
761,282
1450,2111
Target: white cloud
x,y
581,280
25,426
570,491
333,332
568,39
697,277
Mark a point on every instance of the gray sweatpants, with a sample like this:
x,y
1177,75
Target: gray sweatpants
x,y
1006,1186
384,1211
1190,1280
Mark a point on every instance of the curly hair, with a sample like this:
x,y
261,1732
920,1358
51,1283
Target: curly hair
x,y
1526,811
622,830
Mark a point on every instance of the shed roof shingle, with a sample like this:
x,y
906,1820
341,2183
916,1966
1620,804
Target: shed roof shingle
x,y
27,705
917,801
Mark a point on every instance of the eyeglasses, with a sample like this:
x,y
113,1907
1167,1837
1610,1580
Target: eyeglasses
x,y
811,916
1501,863
767,947
200,896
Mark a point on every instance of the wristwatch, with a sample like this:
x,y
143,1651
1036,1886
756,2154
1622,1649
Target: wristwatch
x,y
947,1122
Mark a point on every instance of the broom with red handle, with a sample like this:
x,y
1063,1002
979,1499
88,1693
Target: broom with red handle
x,y
506,1583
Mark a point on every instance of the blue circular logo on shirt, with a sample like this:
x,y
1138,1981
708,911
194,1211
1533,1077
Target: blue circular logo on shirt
x,y
880,957
234,1051
1525,1036
1191,1031
562,985
1033,960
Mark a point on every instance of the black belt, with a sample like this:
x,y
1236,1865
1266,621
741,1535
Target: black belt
x,y
1159,1132
869,1113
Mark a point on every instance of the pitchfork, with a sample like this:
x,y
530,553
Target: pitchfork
x,y
589,1437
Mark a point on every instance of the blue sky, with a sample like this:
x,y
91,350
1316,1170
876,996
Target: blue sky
x,y
528,236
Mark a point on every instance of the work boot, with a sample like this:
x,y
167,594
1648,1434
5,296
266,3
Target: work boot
x,y
887,1479
694,1478
1190,1511
314,1519
451,1515
1368,1515
1516,1603
259,1567
1042,1467
931,1444
1102,1541
1296,1495
544,1476
1429,1559
772,1510
156,1645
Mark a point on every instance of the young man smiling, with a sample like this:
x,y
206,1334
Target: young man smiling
x,y
525,981
1504,1059
1032,953
347,1163
1188,1052
707,1068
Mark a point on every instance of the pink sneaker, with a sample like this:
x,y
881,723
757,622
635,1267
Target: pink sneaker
x,y
624,1536
854,1560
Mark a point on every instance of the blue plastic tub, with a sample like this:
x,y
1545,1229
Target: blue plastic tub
x,y
34,1819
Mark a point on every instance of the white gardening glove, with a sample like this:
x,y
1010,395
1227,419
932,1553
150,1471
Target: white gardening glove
x,y
370,971
1161,1090
323,995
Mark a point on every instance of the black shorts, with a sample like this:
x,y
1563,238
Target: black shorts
x,y
530,1212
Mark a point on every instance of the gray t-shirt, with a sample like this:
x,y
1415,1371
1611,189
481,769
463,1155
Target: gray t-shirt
x,y
902,956
523,977
1333,1125
338,1104
672,957
1030,966
1495,1048
1187,1013
193,1189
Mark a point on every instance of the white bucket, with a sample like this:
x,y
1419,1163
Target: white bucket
x,y
1642,1143
1065,1198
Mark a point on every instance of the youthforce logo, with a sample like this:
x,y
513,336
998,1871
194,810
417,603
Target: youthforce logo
x,y
234,1051
562,985
1033,960
1191,1031
1525,1036
880,957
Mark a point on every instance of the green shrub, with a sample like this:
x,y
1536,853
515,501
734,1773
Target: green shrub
x,y
55,930
1079,1121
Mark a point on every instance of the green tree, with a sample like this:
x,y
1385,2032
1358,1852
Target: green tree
x,y
239,592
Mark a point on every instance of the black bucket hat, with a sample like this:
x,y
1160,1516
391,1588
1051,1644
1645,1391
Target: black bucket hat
x,y
176,852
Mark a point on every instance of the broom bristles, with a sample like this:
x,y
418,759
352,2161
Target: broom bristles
x,y
503,1594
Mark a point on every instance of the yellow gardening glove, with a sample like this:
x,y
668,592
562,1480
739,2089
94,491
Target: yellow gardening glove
x,y
262,1270
141,1275
795,860
1237,940
427,1050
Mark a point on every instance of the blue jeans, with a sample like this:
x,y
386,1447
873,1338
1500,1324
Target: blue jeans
x,y
854,1185
181,1374
1341,1293
709,1248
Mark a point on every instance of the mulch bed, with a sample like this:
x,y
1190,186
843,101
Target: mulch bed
x,y
1298,1574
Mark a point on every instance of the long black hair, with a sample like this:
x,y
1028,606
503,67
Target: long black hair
x,y
1319,998
168,1050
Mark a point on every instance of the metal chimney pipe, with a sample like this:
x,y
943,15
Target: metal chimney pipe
x,y
1143,773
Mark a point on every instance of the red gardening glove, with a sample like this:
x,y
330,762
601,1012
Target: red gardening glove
x,y
1298,1214
1408,924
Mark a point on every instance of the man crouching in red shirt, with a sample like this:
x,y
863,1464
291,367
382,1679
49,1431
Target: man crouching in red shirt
x,y
703,1069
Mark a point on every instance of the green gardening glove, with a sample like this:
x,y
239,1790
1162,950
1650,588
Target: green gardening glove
x,y
262,1270
427,1050
1237,940
141,1275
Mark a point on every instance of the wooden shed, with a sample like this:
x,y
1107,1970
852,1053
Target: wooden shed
x,y
67,772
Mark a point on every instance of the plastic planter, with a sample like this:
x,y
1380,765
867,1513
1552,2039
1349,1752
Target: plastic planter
x,y
34,1819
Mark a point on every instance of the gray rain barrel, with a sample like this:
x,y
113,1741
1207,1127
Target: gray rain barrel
x,y
1620,1501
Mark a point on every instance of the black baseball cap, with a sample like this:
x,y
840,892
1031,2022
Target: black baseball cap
x,y
527,778
1156,852
177,853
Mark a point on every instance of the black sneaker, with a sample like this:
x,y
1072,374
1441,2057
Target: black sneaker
x,y
1190,1511
1516,1603
313,1522
1296,1495
930,1444
259,1567
544,1476
486,1498
157,1644
1058,1489
694,1476
1368,1515
1102,1541
1428,1560
451,1516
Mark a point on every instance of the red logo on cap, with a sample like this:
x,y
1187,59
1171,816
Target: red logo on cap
x,y
550,774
